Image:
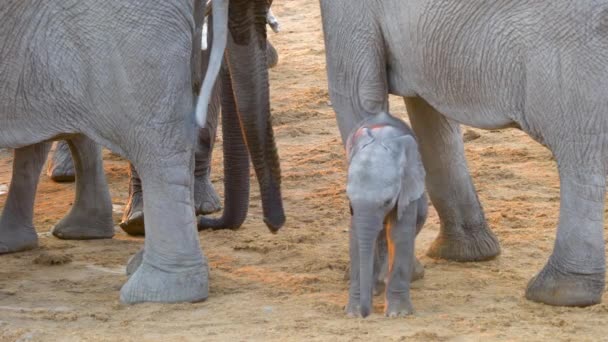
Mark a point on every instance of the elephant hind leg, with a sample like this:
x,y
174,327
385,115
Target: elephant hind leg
x,y
17,232
91,214
133,216
464,234
172,267
575,272
61,166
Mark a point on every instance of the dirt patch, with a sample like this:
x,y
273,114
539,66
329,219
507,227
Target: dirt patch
x,y
52,259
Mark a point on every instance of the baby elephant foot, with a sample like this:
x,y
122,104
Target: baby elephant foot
x,y
553,286
133,217
80,225
353,309
206,199
399,307
417,274
61,166
465,245
152,284
17,240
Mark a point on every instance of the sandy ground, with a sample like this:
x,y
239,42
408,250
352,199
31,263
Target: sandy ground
x,y
291,286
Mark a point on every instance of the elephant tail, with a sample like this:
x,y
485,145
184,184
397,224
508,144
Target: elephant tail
x,y
220,37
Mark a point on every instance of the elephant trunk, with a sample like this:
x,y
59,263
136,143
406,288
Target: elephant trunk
x,y
246,59
368,228
236,164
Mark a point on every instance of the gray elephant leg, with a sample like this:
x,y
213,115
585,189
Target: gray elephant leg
x,y
61,166
575,272
133,216
17,232
464,234
401,235
172,269
380,263
206,198
353,307
91,214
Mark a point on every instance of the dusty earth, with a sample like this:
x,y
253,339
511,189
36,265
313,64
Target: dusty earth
x,y
291,286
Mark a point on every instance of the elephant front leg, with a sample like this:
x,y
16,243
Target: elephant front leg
x,y
575,272
61,166
17,232
91,214
464,234
172,269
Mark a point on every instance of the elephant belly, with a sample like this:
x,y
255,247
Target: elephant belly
x,y
466,66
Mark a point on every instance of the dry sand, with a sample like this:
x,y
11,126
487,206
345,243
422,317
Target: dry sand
x,y
290,286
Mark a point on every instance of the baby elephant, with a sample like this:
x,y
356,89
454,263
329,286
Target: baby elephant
x,y
386,192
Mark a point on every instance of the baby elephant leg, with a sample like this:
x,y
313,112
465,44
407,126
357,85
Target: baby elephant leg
x,y
401,234
381,265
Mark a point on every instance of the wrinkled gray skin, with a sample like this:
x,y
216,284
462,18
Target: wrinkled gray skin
x,y
61,167
206,200
236,160
541,67
129,85
386,192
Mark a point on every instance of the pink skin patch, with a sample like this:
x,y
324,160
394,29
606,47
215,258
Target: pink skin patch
x,y
359,132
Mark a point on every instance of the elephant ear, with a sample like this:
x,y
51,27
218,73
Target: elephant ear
x,y
412,184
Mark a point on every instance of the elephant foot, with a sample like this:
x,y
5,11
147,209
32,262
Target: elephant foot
x,y
79,225
400,307
152,284
133,218
465,245
353,309
206,199
555,287
134,262
61,167
380,286
17,240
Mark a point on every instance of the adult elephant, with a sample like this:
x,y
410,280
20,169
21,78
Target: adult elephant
x,y
541,67
206,200
128,85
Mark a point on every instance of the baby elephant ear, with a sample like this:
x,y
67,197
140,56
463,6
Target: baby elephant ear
x,y
412,185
